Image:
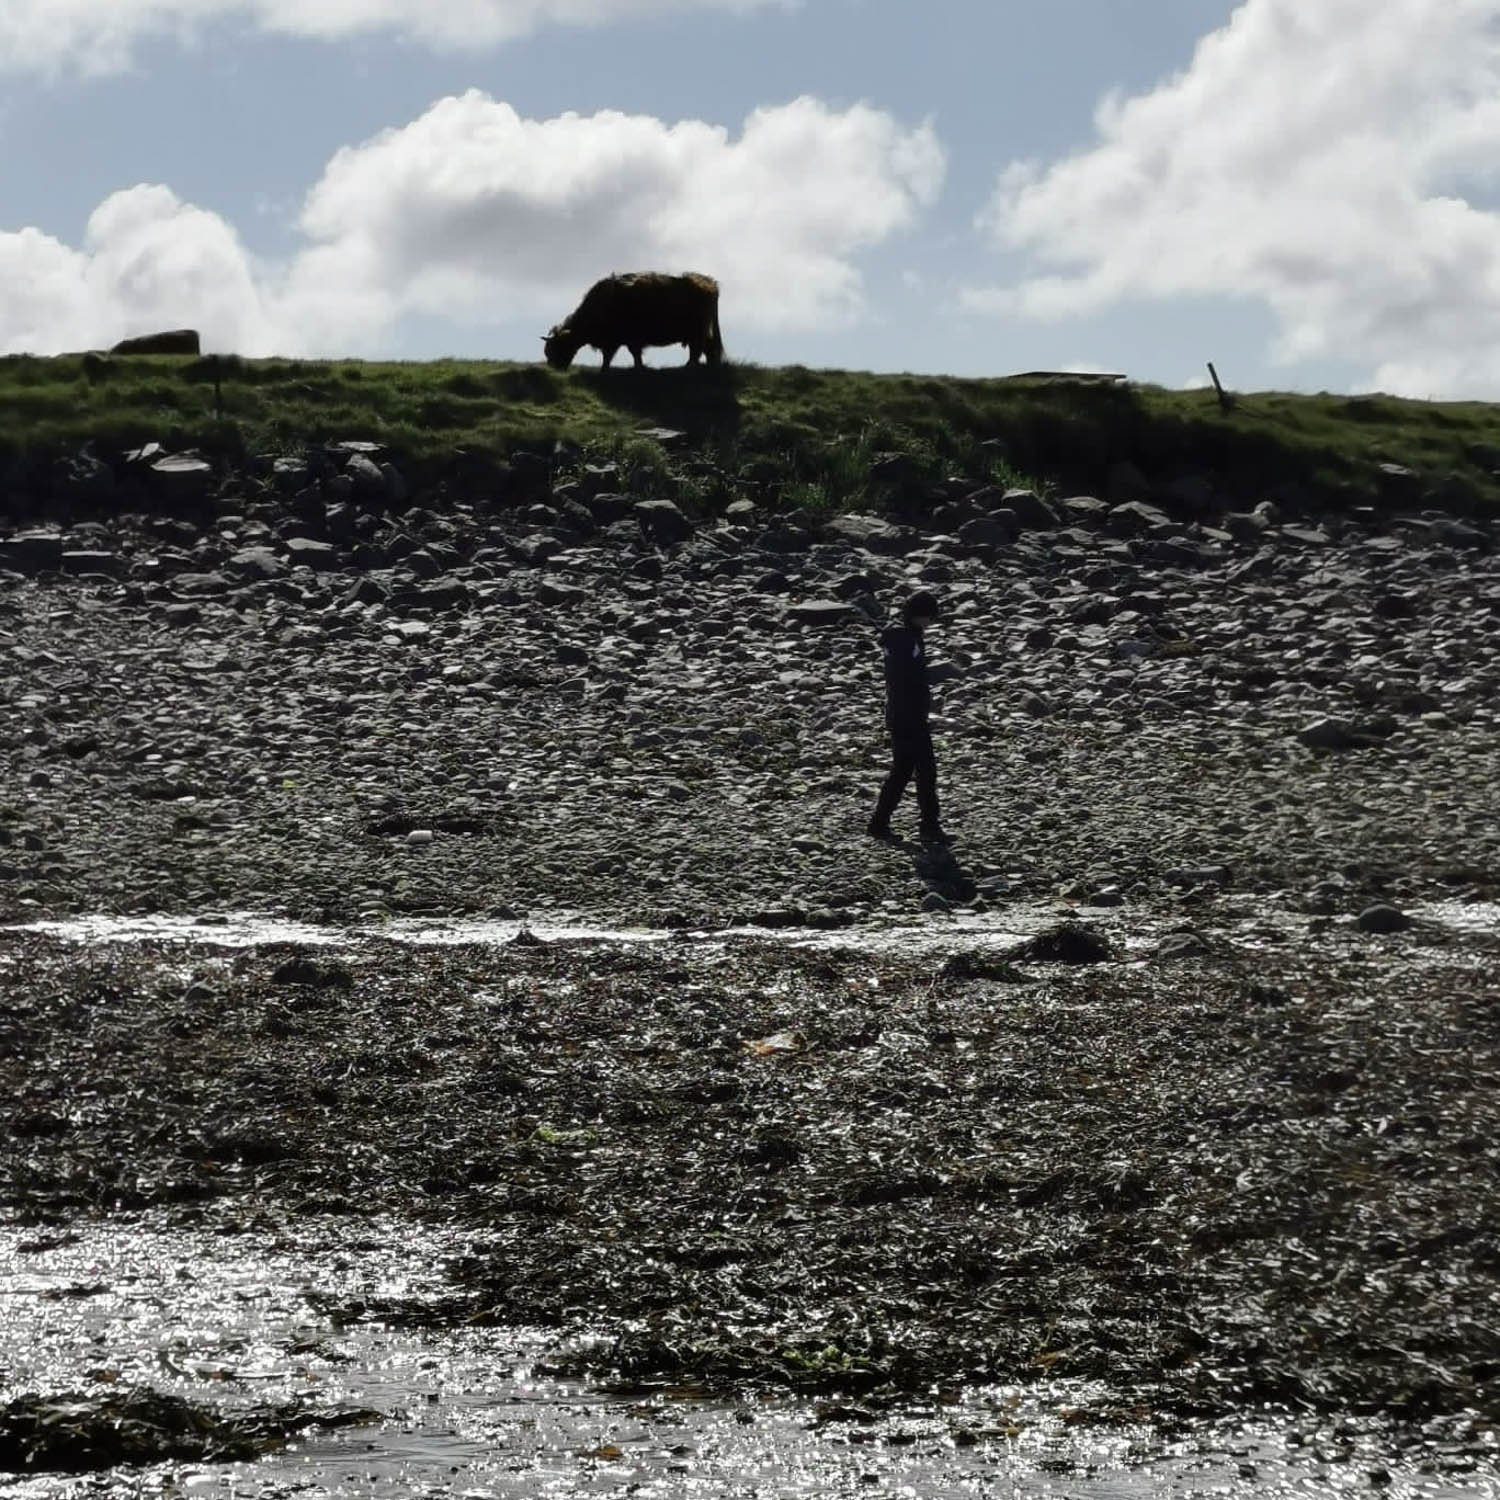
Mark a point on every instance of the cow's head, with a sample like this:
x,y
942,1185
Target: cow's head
x,y
559,346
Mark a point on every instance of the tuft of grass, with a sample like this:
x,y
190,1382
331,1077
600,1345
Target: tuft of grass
x,y
1005,475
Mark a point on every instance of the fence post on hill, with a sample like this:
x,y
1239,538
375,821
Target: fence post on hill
x,y
1226,401
219,392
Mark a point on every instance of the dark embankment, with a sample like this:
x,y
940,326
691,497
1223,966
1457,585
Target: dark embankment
x,y
793,439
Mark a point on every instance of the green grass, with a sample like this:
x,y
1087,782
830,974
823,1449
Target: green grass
x,y
824,440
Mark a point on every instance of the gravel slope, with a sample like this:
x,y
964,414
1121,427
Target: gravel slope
x,y
589,717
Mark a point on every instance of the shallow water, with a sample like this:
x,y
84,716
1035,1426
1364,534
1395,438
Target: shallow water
x,y
1247,920
1463,916
247,929
224,1318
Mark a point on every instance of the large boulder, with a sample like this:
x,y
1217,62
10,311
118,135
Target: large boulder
x,y
873,534
289,474
559,595
1030,510
256,563
173,341
183,477
367,479
321,557
1084,510
450,593
85,560
662,522
987,531
1340,734
32,552
200,585
1136,518
607,506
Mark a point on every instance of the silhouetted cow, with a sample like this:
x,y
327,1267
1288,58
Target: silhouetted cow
x,y
177,341
641,309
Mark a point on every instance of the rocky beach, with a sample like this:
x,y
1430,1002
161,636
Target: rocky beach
x,y
1175,1074
603,705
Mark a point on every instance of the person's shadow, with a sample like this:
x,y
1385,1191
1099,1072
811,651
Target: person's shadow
x,y
939,869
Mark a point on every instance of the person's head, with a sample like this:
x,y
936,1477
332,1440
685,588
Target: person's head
x,y
920,610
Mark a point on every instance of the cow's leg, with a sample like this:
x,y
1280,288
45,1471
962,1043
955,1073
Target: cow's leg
x,y
608,353
637,350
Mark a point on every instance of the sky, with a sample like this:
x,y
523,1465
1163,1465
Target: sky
x,y
1306,192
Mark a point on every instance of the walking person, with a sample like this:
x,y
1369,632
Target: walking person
x,y
907,701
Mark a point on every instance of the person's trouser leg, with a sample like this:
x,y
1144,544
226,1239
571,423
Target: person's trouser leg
x,y
924,766
903,764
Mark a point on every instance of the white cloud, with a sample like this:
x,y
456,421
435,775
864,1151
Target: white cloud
x,y
1330,160
474,214
99,36
473,211
149,261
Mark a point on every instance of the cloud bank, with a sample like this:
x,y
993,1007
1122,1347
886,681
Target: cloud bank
x,y
1335,161
475,214
148,261
100,36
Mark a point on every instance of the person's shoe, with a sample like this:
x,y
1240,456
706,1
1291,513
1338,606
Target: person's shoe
x,y
932,833
880,831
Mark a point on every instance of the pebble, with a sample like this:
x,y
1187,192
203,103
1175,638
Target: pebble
x,y
1327,734
1383,919
1193,875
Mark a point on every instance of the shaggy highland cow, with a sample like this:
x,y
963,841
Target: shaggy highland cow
x,y
641,309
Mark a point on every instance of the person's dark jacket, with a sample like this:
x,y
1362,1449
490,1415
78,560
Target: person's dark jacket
x,y
907,698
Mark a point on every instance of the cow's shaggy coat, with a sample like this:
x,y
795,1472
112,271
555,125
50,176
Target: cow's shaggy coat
x,y
640,310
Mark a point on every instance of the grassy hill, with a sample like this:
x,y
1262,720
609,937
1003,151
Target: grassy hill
x,y
814,439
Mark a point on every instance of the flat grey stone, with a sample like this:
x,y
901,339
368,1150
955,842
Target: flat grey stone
x,y
823,612
320,556
256,562
198,585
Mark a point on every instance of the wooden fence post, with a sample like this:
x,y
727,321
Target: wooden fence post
x,y
1226,401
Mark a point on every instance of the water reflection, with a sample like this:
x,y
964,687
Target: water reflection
x,y
225,1318
1248,919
